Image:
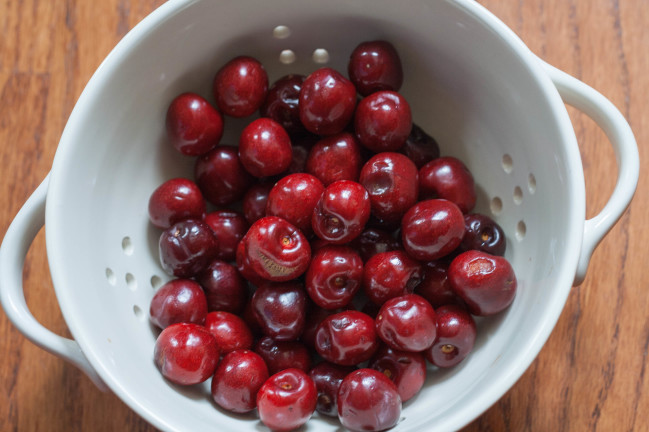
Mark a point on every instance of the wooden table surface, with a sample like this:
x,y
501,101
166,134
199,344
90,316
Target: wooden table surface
x,y
592,373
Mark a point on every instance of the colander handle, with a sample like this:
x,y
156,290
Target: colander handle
x,y
19,237
617,129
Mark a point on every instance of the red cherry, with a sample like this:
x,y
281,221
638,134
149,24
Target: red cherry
x,y
194,127
237,380
229,227
374,66
281,103
229,330
334,158
448,178
435,286
327,378
224,287
265,148
186,353
341,212
280,355
280,309
390,274
221,176
407,370
287,400
420,147
186,248
456,333
255,201
240,87
373,241
175,200
383,121
334,276
179,300
346,338
407,323
293,198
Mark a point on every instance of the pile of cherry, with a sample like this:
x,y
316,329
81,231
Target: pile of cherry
x,y
343,255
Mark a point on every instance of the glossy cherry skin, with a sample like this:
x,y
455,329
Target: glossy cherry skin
x,y
334,276
276,250
373,241
175,200
374,66
179,300
187,247
281,103
280,309
315,315
483,233
420,147
327,378
407,370
368,401
485,282
383,121
287,400
435,286
392,181
456,333
448,178
255,201
334,158
193,126
245,267
327,102
186,353
240,87
265,148
221,176
230,331
229,227
293,198
390,274
237,379
280,355
224,287
407,323
346,338
432,229
341,212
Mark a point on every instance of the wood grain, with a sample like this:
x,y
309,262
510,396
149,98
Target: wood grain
x,y
590,376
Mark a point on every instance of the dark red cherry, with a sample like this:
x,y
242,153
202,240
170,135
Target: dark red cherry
x,y
293,198
265,148
275,249
334,276
193,126
237,379
392,181
334,158
390,274
407,370
280,309
255,201
346,338
407,323
485,282
432,229
186,248
373,241
374,66
315,315
456,333
281,103
368,401
327,378
435,286
448,178
221,176
240,87
175,200
483,233
327,102
179,300
229,227
287,400
383,121
341,212
280,355
186,353
420,147
224,287
230,331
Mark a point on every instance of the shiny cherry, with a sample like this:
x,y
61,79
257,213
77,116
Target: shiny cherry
x,y
407,370
280,355
293,198
420,147
230,331
280,309
341,212
240,86
346,338
281,103
383,121
334,276
287,400
224,287
221,176
265,148
237,379
435,286
315,315
432,229
374,66
229,227
334,158
187,247
193,126
407,323
186,353
179,300
327,102
175,200
448,178
255,201
327,378
390,274
456,333
483,233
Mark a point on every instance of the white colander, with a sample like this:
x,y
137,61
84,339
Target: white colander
x,y
471,83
